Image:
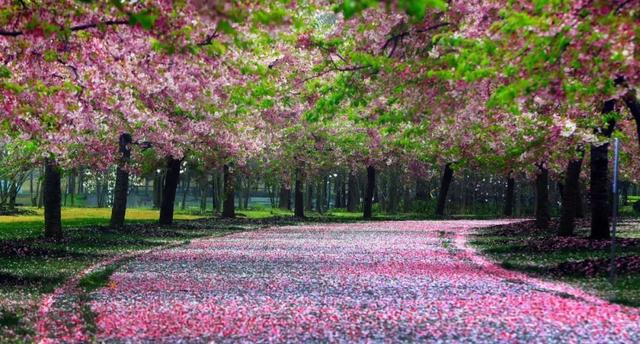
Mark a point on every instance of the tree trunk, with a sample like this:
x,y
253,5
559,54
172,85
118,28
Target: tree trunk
x,y
284,201
634,107
119,208
299,196
203,181
34,201
214,194
309,201
14,188
509,196
185,190
171,180
600,180
353,193
157,190
600,191
41,190
542,198
624,192
246,192
560,186
580,204
52,200
337,187
228,205
570,198
445,183
394,191
368,195
72,186
326,192
343,191
81,189
319,197
422,190
99,192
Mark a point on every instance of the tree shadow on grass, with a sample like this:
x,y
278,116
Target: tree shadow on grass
x,y
8,279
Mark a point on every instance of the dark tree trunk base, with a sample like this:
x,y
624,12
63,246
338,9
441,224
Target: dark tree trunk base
x,y
445,183
509,196
570,198
228,204
600,192
368,196
52,200
600,210
542,198
171,181
353,193
299,196
119,209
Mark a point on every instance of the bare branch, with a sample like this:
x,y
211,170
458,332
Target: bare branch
x,y
209,39
73,28
397,37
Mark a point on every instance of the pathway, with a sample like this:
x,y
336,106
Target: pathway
x,y
380,282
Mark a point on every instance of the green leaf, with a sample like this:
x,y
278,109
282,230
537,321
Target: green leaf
x,y
50,55
418,8
348,8
216,48
145,19
4,72
225,27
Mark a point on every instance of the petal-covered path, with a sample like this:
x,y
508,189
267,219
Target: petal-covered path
x,y
373,282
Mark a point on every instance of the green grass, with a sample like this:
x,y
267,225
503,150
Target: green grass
x,y
512,253
9,319
25,226
97,279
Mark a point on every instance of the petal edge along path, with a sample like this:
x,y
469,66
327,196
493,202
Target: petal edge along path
x,y
380,282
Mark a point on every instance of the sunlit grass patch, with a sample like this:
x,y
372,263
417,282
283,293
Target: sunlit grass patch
x,y
92,214
22,226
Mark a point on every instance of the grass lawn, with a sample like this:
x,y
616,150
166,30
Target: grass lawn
x,y
28,226
575,260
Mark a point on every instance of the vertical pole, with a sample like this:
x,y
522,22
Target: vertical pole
x,y
614,217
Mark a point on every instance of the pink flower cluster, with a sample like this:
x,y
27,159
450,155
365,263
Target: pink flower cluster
x,y
380,282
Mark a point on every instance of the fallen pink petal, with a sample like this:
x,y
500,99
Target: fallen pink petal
x,y
364,282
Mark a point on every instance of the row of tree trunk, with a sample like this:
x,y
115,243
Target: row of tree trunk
x,y
571,197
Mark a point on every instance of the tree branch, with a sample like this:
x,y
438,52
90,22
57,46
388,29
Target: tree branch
x,y
619,7
394,39
73,28
209,39
337,69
